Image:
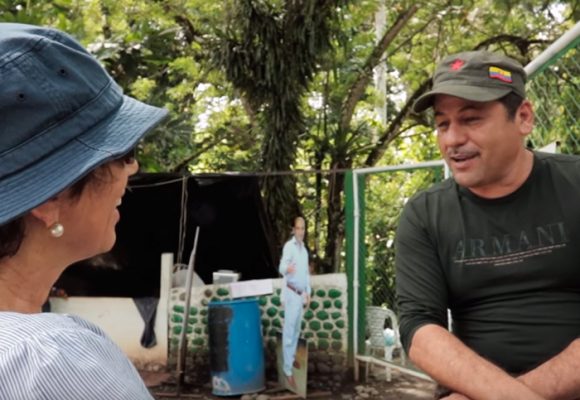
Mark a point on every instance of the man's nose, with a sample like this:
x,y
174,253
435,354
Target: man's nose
x,y
455,135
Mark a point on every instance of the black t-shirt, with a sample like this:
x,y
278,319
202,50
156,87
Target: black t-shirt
x,y
508,268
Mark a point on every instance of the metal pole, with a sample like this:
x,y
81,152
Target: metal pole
x,y
542,61
182,349
399,167
356,173
355,270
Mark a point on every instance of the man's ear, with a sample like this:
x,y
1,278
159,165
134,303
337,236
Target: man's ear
x,y
48,212
525,117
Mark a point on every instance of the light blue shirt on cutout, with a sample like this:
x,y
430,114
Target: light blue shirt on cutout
x,y
295,253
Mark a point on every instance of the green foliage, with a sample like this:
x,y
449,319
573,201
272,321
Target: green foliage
x,y
270,51
261,85
557,120
158,51
386,195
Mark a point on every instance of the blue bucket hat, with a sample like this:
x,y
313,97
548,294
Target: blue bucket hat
x,y
61,116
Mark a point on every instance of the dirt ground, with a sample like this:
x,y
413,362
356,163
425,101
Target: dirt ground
x,y
401,387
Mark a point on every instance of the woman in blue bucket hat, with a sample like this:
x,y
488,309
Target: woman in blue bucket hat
x,y
66,139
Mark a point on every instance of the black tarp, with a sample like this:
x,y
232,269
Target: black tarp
x,y
234,234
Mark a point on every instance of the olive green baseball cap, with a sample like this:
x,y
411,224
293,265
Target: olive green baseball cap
x,y
477,76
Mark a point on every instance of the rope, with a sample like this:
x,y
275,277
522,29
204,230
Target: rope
x,y
244,174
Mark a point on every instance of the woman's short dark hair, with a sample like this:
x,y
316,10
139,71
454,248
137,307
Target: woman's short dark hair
x,y
511,102
12,233
11,236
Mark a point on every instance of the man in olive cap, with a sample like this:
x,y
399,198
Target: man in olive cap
x,y
496,244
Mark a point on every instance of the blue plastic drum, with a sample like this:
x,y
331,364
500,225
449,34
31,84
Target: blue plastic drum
x,y
236,347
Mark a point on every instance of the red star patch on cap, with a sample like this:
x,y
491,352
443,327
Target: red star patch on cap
x,y
457,64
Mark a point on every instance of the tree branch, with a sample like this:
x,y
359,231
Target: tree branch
x,y
427,23
181,19
249,109
521,43
358,87
205,146
393,130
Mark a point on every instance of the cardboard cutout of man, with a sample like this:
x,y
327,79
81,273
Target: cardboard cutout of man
x,y
295,293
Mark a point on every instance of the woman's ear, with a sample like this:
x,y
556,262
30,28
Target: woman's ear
x,y
48,212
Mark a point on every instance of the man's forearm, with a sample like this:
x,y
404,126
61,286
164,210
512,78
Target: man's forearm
x,y
447,360
559,377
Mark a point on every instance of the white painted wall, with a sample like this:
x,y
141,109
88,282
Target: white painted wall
x,y
120,319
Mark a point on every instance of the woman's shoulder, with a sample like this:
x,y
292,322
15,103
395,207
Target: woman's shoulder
x,y
59,333
17,327
64,353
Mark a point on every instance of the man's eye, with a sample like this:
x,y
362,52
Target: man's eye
x,y
441,125
471,119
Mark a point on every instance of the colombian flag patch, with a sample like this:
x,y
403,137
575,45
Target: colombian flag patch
x,y
501,74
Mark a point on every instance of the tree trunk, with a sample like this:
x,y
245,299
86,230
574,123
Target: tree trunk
x,y
335,230
278,154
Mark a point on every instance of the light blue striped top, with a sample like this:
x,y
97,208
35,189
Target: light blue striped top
x,y
60,357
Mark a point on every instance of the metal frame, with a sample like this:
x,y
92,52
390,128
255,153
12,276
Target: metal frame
x,y
357,297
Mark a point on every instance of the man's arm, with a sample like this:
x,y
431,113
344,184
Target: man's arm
x,y
308,287
423,299
285,260
447,360
559,377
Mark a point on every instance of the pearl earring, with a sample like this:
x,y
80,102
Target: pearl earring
x,y
56,230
